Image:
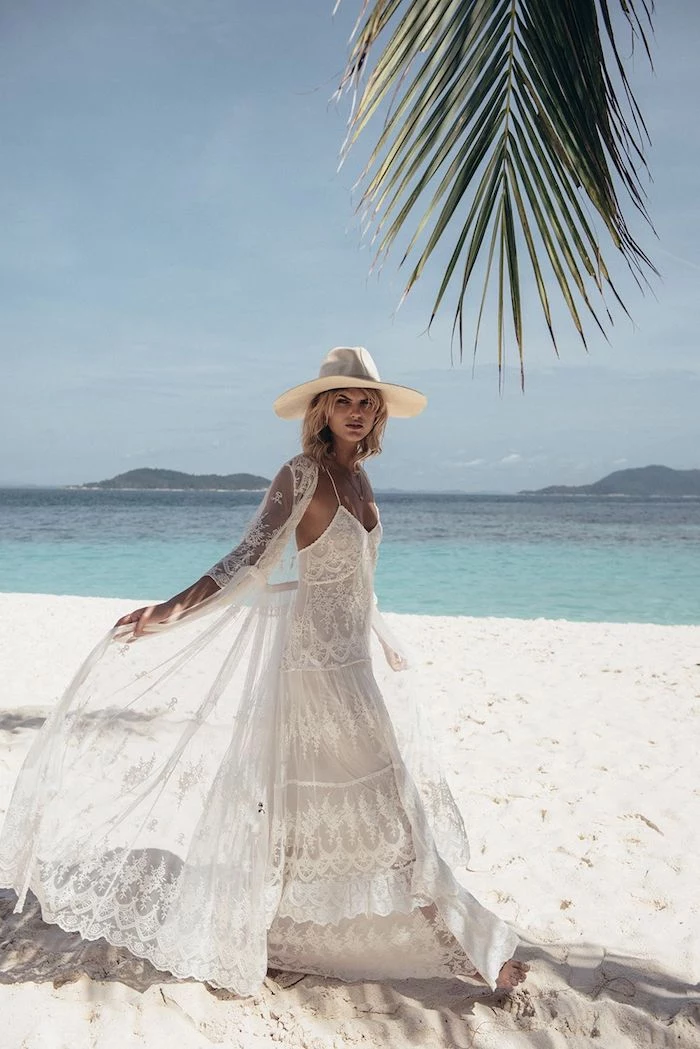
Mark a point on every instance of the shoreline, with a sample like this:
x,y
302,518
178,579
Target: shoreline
x,y
475,494
570,749
460,618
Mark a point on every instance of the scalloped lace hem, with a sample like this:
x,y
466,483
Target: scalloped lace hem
x,y
351,947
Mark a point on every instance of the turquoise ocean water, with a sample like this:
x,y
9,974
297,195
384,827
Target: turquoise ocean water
x,y
624,560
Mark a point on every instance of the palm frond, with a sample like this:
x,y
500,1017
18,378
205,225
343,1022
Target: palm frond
x,y
504,121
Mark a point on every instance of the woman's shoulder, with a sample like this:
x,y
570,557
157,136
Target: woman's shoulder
x,y
303,470
302,463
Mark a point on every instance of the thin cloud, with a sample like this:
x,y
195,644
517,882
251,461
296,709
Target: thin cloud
x,y
678,258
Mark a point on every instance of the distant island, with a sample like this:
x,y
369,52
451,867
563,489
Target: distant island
x,y
173,480
644,481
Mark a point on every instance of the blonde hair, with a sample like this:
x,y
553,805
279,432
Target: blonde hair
x,y
316,436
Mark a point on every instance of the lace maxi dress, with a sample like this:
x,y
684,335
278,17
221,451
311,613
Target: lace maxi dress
x,y
241,796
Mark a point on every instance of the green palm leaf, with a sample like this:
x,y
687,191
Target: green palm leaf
x,y
504,121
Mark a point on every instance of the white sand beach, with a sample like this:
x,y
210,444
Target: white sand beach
x,y
572,751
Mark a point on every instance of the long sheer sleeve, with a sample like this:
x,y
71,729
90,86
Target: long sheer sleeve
x,y
269,531
249,565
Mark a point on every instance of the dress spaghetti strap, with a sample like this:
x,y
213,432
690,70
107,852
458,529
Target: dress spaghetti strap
x,y
333,483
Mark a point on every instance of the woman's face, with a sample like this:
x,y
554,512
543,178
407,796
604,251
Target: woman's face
x,y
352,416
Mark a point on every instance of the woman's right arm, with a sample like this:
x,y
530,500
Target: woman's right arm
x,y
268,523
140,618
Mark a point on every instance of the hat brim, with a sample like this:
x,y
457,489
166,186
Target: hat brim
x,y
401,401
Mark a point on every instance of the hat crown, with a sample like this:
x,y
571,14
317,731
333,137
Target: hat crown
x,y
344,367
353,361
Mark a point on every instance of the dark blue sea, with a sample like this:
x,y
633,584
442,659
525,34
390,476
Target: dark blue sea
x,y
616,559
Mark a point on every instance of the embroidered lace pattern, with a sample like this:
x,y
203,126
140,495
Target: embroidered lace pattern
x,y
396,945
332,624
241,789
268,532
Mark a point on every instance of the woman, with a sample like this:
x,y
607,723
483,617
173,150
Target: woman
x,y
232,792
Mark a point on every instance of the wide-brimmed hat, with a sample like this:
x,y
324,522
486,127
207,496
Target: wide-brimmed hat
x,y
344,367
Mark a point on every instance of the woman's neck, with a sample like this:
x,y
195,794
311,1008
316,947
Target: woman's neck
x,y
345,454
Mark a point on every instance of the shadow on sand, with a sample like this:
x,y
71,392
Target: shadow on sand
x,y
578,993
16,721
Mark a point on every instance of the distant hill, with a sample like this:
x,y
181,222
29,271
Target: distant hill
x,y
173,480
644,481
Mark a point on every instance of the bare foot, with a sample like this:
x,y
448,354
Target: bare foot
x,y
511,974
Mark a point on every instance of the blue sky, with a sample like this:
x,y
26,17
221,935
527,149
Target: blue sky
x,y
178,247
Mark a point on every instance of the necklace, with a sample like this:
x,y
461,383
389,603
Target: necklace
x,y
360,491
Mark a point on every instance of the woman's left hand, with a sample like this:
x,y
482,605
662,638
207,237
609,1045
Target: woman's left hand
x,y
395,660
